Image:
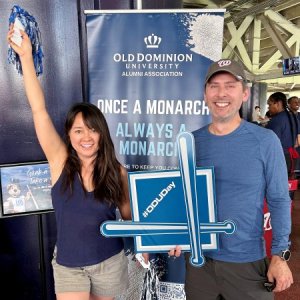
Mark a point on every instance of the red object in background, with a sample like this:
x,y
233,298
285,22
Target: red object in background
x,y
293,185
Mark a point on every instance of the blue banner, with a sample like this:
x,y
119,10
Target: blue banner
x,y
146,74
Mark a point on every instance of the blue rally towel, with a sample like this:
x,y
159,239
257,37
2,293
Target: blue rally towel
x,y
32,30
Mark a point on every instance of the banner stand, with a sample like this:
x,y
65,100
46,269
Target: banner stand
x,y
42,257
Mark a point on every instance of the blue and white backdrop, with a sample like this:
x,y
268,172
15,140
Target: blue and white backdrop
x,y
146,74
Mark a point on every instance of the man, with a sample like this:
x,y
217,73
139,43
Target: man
x,y
286,126
249,166
293,103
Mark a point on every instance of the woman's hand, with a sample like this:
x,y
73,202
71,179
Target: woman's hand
x,y
176,252
143,259
146,257
25,49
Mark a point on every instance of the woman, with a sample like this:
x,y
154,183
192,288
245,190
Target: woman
x,y
88,184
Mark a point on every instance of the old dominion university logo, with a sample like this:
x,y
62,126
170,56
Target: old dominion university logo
x,y
152,64
152,41
175,207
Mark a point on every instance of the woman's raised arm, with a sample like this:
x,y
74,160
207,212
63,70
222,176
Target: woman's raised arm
x,y
51,143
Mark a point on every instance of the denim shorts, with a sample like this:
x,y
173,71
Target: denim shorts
x,y
108,278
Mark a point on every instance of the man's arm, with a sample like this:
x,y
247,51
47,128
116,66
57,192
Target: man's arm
x,y
279,204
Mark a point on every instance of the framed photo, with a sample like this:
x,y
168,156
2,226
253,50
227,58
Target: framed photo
x,y
25,189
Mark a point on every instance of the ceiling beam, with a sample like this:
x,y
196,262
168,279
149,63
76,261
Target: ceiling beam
x,y
202,3
236,41
286,4
284,23
292,13
297,49
252,10
276,37
276,78
266,52
235,4
255,44
277,55
268,43
270,75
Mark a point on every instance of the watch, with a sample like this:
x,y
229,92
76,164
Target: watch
x,y
285,254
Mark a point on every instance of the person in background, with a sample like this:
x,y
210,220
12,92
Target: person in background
x,y
249,166
293,103
285,125
88,184
257,118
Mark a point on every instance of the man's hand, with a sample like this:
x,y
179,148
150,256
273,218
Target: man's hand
x,y
280,272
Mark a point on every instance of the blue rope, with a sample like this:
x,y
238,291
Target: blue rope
x,y
32,30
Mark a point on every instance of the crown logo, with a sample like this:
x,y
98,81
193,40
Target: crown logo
x,y
152,41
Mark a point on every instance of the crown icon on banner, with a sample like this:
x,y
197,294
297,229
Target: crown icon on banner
x,y
152,41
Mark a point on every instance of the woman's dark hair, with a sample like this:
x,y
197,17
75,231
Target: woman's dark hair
x,y
279,97
106,176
